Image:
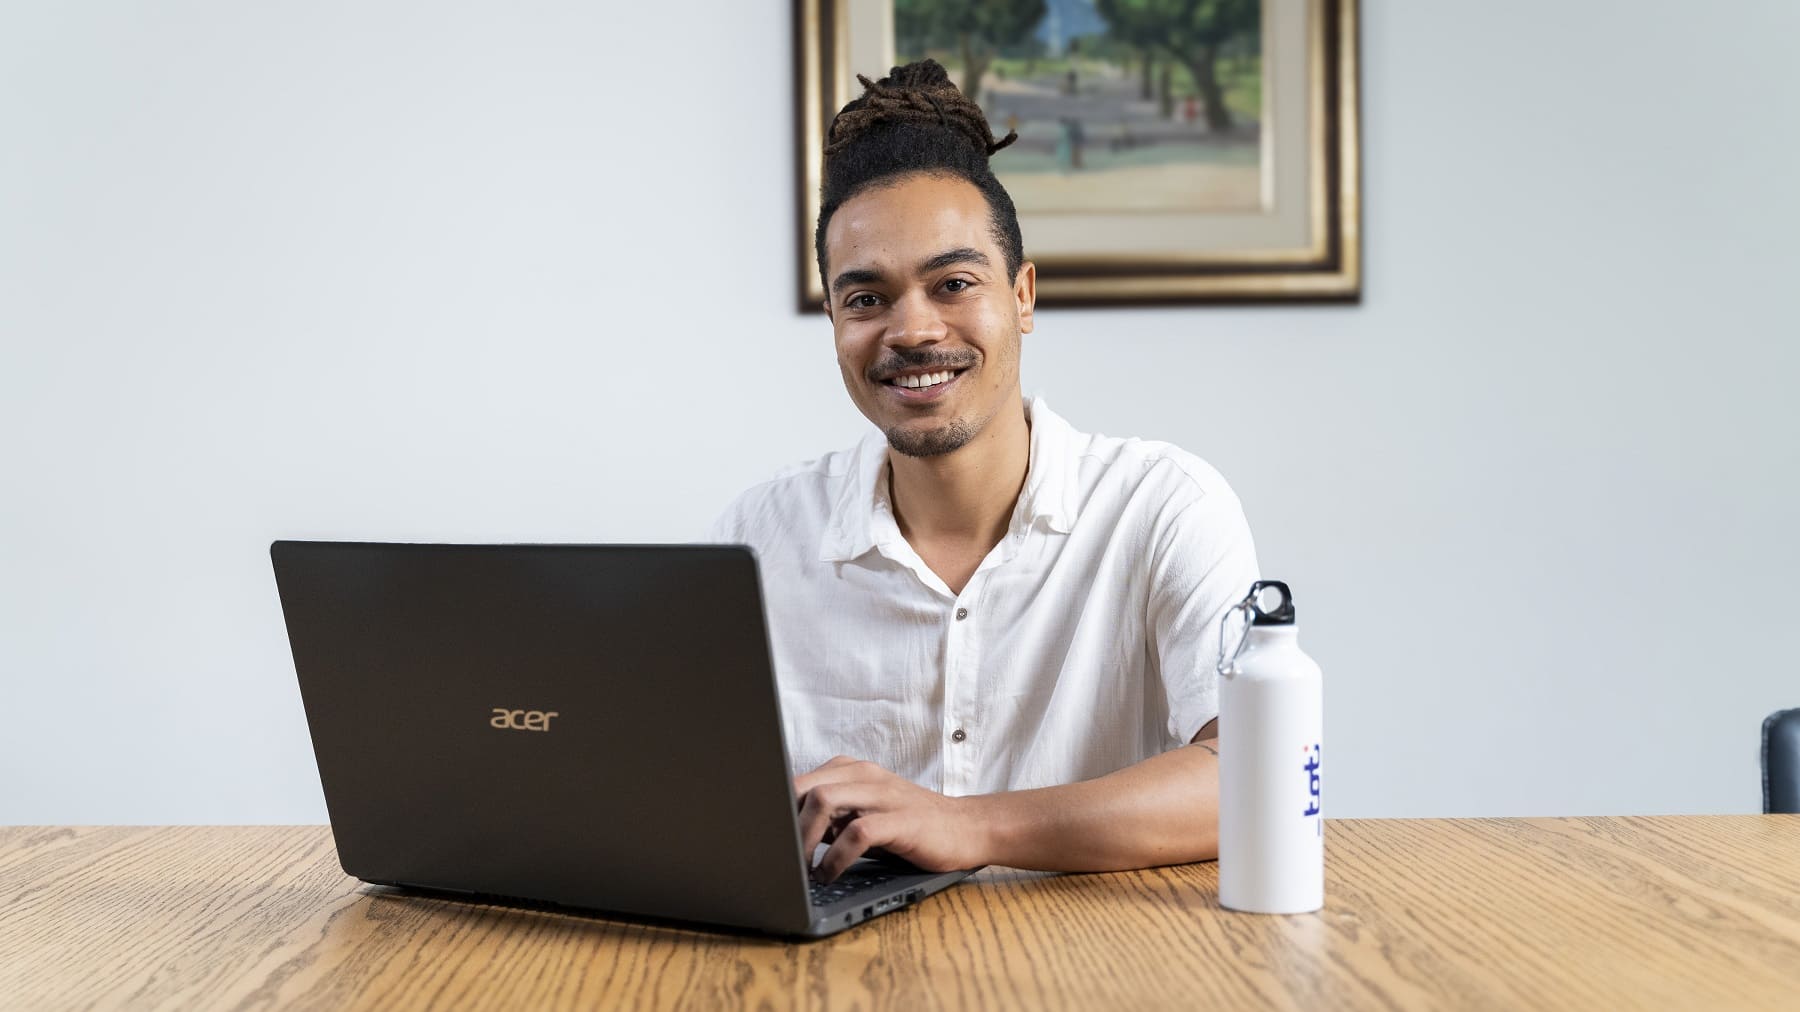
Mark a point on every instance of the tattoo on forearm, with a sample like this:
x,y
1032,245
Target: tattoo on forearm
x,y
1207,747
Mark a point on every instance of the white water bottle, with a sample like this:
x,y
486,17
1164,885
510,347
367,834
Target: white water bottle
x,y
1271,712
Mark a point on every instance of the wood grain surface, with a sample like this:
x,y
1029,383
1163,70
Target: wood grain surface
x,y
1666,912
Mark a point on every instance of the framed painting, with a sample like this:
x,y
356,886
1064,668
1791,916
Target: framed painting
x,y
1168,151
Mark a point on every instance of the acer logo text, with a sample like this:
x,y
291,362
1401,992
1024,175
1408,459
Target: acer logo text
x,y
521,720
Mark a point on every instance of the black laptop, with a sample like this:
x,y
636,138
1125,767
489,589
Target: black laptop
x,y
592,726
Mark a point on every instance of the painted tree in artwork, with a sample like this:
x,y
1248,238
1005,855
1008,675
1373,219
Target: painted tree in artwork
x,y
977,28
1136,25
1196,32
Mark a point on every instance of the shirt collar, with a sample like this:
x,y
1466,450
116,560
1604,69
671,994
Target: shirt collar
x,y
862,519
1051,491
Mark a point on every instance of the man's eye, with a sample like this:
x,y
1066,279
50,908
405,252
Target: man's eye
x,y
863,301
956,281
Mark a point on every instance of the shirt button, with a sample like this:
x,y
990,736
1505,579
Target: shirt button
x,y
962,613
958,735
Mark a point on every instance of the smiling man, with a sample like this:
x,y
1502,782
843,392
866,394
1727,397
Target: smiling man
x,y
994,635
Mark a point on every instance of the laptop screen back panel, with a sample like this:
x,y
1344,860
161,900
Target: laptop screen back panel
x,y
594,726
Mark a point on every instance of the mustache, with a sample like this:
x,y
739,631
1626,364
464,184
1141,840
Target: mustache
x,y
898,360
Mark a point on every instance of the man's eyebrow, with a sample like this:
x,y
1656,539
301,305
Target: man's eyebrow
x,y
866,275
855,276
961,255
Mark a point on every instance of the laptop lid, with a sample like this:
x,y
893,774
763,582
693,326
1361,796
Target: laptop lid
x,y
590,725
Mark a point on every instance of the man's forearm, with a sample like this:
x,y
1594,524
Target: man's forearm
x,y
1164,810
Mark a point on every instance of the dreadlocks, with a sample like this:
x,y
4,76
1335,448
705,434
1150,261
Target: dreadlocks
x,y
914,120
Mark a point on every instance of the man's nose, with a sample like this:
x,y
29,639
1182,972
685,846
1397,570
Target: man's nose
x,y
914,321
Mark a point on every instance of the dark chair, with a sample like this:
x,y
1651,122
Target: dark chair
x,y
1781,762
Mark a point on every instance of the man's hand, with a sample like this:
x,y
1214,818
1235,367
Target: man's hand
x,y
857,806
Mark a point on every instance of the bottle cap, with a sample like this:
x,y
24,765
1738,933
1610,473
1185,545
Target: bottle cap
x,y
1270,603
1279,611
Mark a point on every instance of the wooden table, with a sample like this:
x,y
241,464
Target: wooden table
x,y
1676,912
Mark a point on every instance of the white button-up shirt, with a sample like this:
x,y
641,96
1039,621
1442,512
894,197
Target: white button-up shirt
x,y
1085,642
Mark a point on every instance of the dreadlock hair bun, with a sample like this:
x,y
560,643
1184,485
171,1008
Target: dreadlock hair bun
x,y
914,120
916,93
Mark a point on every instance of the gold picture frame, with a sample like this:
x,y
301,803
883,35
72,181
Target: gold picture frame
x,y
1303,242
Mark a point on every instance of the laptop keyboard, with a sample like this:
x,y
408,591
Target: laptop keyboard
x,y
850,883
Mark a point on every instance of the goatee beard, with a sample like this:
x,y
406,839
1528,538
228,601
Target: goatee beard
x,y
931,443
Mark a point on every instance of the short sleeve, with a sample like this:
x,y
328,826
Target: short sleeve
x,y
1203,564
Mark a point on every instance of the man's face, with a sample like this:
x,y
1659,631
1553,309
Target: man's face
x,y
926,320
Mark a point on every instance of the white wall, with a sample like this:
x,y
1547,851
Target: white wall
x,y
442,272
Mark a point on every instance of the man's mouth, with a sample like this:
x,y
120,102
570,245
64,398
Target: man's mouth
x,y
923,381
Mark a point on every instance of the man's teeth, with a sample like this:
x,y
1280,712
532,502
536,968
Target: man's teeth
x,y
930,379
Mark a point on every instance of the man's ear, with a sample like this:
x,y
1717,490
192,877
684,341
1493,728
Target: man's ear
x,y
1025,291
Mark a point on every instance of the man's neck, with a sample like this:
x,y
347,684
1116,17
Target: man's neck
x,y
964,498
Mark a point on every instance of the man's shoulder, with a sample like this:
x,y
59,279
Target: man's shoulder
x,y
807,479
1148,469
1178,504
800,494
